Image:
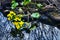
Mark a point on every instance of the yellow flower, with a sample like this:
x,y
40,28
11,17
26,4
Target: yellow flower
x,y
9,18
8,15
18,25
17,18
21,23
15,23
12,13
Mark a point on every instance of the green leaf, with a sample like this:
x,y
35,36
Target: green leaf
x,y
14,4
33,28
39,5
35,15
25,2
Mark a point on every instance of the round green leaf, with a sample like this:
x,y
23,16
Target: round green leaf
x,y
35,15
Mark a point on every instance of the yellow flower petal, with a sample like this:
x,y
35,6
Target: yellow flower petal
x,y
21,23
9,19
17,18
8,15
17,26
11,12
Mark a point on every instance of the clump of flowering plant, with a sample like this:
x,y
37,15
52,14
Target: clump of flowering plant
x,y
17,19
22,17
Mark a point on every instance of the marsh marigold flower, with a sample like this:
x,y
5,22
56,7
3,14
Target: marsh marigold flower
x,y
18,24
17,18
10,15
